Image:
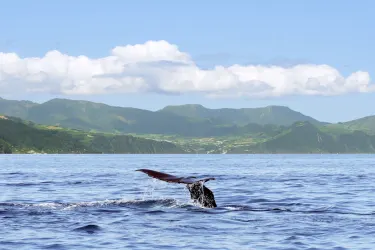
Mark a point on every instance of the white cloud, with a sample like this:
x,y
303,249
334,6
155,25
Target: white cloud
x,y
161,67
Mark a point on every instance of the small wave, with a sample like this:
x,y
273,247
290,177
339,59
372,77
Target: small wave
x,y
236,208
259,200
115,206
125,203
21,184
54,246
14,173
104,175
289,179
99,204
281,209
88,228
108,210
26,184
155,212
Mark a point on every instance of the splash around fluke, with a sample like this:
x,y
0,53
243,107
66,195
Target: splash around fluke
x,y
198,191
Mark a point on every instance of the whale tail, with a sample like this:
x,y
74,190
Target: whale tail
x,y
198,191
201,194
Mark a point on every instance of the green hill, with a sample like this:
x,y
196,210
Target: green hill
x,y
357,142
366,124
100,117
15,108
187,128
277,115
19,136
5,148
303,137
191,120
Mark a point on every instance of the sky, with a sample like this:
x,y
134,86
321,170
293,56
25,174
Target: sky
x,y
315,57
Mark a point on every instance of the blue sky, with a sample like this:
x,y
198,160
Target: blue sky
x,y
283,33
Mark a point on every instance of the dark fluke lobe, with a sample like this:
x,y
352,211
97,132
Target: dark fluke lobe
x,y
198,191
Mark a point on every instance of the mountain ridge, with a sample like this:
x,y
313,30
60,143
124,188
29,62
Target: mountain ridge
x,y
84,114
20,136
366,123
301,137
186,119
272,114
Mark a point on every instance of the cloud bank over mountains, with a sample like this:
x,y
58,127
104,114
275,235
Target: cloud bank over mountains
x,y
158,66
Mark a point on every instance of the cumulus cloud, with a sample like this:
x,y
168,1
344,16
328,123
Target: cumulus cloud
x,y
158,66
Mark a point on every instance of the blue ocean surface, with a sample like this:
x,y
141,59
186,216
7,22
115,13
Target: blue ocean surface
x,y
264,202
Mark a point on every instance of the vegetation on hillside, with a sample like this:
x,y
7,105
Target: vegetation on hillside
x,y
366,124
174,129
180,120
301,137
5,148
18,136
277,115
15,108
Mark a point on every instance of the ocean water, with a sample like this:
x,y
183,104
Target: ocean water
x,y
264,202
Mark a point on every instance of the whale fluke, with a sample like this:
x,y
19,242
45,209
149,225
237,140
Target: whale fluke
x,y
198,192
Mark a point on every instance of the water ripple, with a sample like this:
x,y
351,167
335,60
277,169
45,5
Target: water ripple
x,y
264,202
